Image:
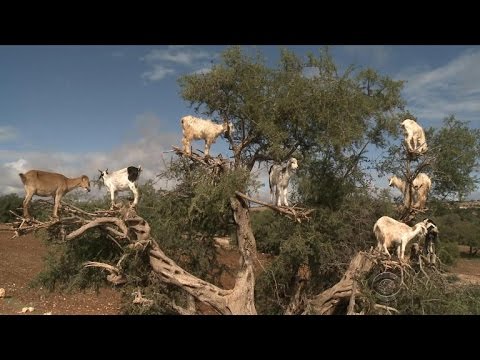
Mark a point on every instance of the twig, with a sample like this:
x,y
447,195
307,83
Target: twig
x,y
76,208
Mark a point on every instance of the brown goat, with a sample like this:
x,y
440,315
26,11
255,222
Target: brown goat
x,y
43,183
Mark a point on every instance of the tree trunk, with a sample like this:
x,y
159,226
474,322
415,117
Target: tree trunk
x,y
246,240
327,302
237,301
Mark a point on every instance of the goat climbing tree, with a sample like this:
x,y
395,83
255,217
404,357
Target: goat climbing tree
x,y
130,230
308,109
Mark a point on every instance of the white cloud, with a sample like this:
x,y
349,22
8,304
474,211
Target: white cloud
x,y
434,93
203,70
177,54
157,73
167,61
19,165
7,133
146,150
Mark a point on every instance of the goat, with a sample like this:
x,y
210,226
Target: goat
x,y
194,128
43,183
278,177
431,237
414,137
420,187
119,180
389,232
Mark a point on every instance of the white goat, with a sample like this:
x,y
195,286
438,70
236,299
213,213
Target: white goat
x,y
414,137
278,177
420,187
194,128
122,180
43,183
389,232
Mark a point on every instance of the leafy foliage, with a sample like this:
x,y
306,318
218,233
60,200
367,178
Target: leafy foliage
x,y
277,111
7,203
326,118
435,295
457,151
326,244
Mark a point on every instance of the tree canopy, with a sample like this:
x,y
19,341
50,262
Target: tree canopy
x,y
326,116
305,105
457,153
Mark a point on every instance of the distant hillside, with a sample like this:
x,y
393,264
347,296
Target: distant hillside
x,y
472,204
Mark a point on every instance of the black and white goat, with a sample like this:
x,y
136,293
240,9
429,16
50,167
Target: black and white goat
x,y
120,180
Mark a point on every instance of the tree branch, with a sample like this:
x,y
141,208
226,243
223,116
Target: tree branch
x,y
356,159
98,222
292,212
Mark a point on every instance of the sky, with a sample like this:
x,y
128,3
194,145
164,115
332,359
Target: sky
x,y
76,109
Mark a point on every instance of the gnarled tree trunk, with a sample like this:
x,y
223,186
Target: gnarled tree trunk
x,y
327,302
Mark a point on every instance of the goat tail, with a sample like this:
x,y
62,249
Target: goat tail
x,y
23,178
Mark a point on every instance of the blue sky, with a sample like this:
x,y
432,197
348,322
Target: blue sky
x,y
76,109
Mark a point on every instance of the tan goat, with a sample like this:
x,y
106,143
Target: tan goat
x,y
43,183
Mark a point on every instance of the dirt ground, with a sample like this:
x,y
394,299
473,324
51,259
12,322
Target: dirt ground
x,y
21,259
467,269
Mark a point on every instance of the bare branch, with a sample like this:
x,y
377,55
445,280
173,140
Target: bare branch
x,y
98,222
292,212
74,208
115,277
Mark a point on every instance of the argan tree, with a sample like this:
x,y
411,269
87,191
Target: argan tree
x,y
306,107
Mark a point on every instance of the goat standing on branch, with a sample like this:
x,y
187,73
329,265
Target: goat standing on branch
x,y
421,186
431,239
414,137
123,179
194,128
278,177
389,232
43,183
